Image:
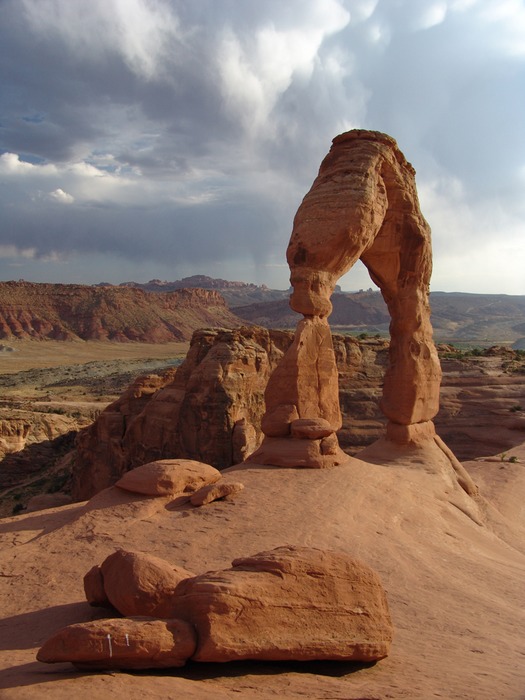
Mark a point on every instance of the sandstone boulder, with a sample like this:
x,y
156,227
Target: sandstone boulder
x,y
288,603
94,588
141,584
168,476
122,644
310,428
214,492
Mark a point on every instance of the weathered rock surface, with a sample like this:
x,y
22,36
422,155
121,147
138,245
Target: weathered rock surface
x,y
214,492
140,584
288,603
47,500
209,410
363,205
168,476
146,420
122,644
72,312
94,588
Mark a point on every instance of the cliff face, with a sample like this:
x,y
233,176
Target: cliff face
x,y
72,312
210,409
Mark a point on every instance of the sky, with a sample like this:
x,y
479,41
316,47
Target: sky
x,y
158,139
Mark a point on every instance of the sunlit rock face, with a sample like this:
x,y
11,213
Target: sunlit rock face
x,y
362,205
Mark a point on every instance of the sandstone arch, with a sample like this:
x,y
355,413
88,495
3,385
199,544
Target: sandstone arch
x,y
362,205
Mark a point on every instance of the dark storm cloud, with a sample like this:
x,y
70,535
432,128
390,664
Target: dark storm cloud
x,y
162,127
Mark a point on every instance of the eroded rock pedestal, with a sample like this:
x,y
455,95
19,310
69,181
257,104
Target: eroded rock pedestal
x,y
363,205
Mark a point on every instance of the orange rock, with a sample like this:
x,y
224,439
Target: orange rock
x,y
94,588
289,603
306,377
122,644
214,492
276,421
209,410
140,584
310,454
311,428
168,476
362,205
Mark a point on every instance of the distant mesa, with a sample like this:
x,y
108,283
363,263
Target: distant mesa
x,y
72,312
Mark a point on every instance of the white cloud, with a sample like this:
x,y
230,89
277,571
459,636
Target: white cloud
x,y
256,71
60,196
10,164
476,248
433,15
139,30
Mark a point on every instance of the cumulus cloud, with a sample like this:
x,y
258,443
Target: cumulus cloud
x,y
182,136
60,196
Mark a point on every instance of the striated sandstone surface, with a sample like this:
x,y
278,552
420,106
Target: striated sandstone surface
x,y
215,492
289,603
72,312
209,410
122,644
362,205
139,584
168,476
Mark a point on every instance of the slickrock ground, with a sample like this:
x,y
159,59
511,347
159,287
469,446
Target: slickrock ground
x,y
453,569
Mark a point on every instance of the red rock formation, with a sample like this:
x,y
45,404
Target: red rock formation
x,y
140,584
215,492
122,644
168,477
363,205
209,410
290,603
70,312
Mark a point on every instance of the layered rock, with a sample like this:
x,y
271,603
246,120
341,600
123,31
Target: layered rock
x,y
363,205
209,410
72,312
134,583
219,392
290,603
122,644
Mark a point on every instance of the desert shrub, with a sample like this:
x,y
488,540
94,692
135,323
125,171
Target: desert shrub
x,y
516,408
513,459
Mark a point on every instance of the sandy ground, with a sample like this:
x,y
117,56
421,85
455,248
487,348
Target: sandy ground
x,y
453,568
21,355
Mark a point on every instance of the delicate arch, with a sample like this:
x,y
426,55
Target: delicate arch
x,y
362,205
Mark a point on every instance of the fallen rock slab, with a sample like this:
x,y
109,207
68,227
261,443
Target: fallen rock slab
x,y
291,603
168,476
122,644
214,492
139,584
